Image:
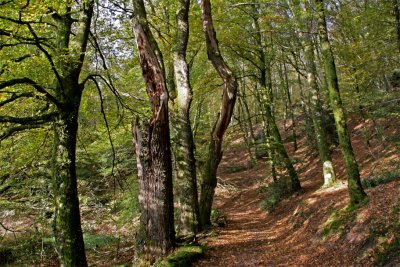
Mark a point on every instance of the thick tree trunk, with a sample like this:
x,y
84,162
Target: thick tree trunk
x,y
356,192
156,234
209,181
71,48
67,224
186,180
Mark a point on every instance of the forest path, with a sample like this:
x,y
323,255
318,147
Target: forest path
x,y
253,237
292,235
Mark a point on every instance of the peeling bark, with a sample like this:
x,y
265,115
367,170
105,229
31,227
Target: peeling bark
x,y
156,234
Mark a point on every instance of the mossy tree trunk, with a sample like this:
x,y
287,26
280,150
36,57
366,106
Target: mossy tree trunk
x,y
67,221
153,149
186,178
356,192
316,105
209,181
71,46
266,87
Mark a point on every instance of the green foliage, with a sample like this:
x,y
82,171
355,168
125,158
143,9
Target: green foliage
x,y
385,177
388,238
128,204
182,257
339,220
218,218
26,251
274,192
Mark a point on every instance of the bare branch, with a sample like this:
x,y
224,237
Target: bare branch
x,y
41,119
16,129
15,96
28,81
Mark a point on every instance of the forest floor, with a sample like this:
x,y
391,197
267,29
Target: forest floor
x,y
309,228
312,227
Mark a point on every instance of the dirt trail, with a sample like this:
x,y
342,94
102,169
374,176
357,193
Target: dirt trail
x,y
292,234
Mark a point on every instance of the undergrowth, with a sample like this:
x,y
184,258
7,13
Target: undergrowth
x,y
386,176
274,192
340,219
388,240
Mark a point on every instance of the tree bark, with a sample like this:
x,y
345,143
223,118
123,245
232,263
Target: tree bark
x,y
186,180
266,87
316,106
156,234
356,192
396,9
67,221
209,181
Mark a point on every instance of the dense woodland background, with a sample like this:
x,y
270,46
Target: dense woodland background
x,y
120,101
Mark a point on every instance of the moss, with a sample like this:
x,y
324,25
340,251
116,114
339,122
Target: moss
x,y
182,257
274,193
340,220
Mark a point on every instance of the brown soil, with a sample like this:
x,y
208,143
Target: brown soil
x,y
292,235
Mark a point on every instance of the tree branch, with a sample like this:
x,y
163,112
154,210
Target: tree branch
x,y
28,81
13,130
41,119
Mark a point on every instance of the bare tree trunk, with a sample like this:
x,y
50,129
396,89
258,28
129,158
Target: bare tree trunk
x,y
228,102
186,183
356,192
156,234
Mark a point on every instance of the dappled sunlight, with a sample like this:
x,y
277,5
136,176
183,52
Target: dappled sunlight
x,y
293,234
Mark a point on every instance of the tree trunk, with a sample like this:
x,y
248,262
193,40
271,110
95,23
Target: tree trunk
x,y
290,104
156,234
396,9
67,220
356,192
209,181
266,87
186,180
317,109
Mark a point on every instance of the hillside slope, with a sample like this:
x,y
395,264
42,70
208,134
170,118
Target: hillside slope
x,y
311,228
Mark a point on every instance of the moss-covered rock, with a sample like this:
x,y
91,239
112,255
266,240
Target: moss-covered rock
x,y
182,257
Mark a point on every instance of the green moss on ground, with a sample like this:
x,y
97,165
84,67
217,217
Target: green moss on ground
x,y
182,257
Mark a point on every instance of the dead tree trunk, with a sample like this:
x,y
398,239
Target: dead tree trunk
x,y
156,234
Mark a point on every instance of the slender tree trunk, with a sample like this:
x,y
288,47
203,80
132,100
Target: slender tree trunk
x,y
156,234
396,9
241,117
316,105
266,86
290,104
209,181
67,220
186,180
356,192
